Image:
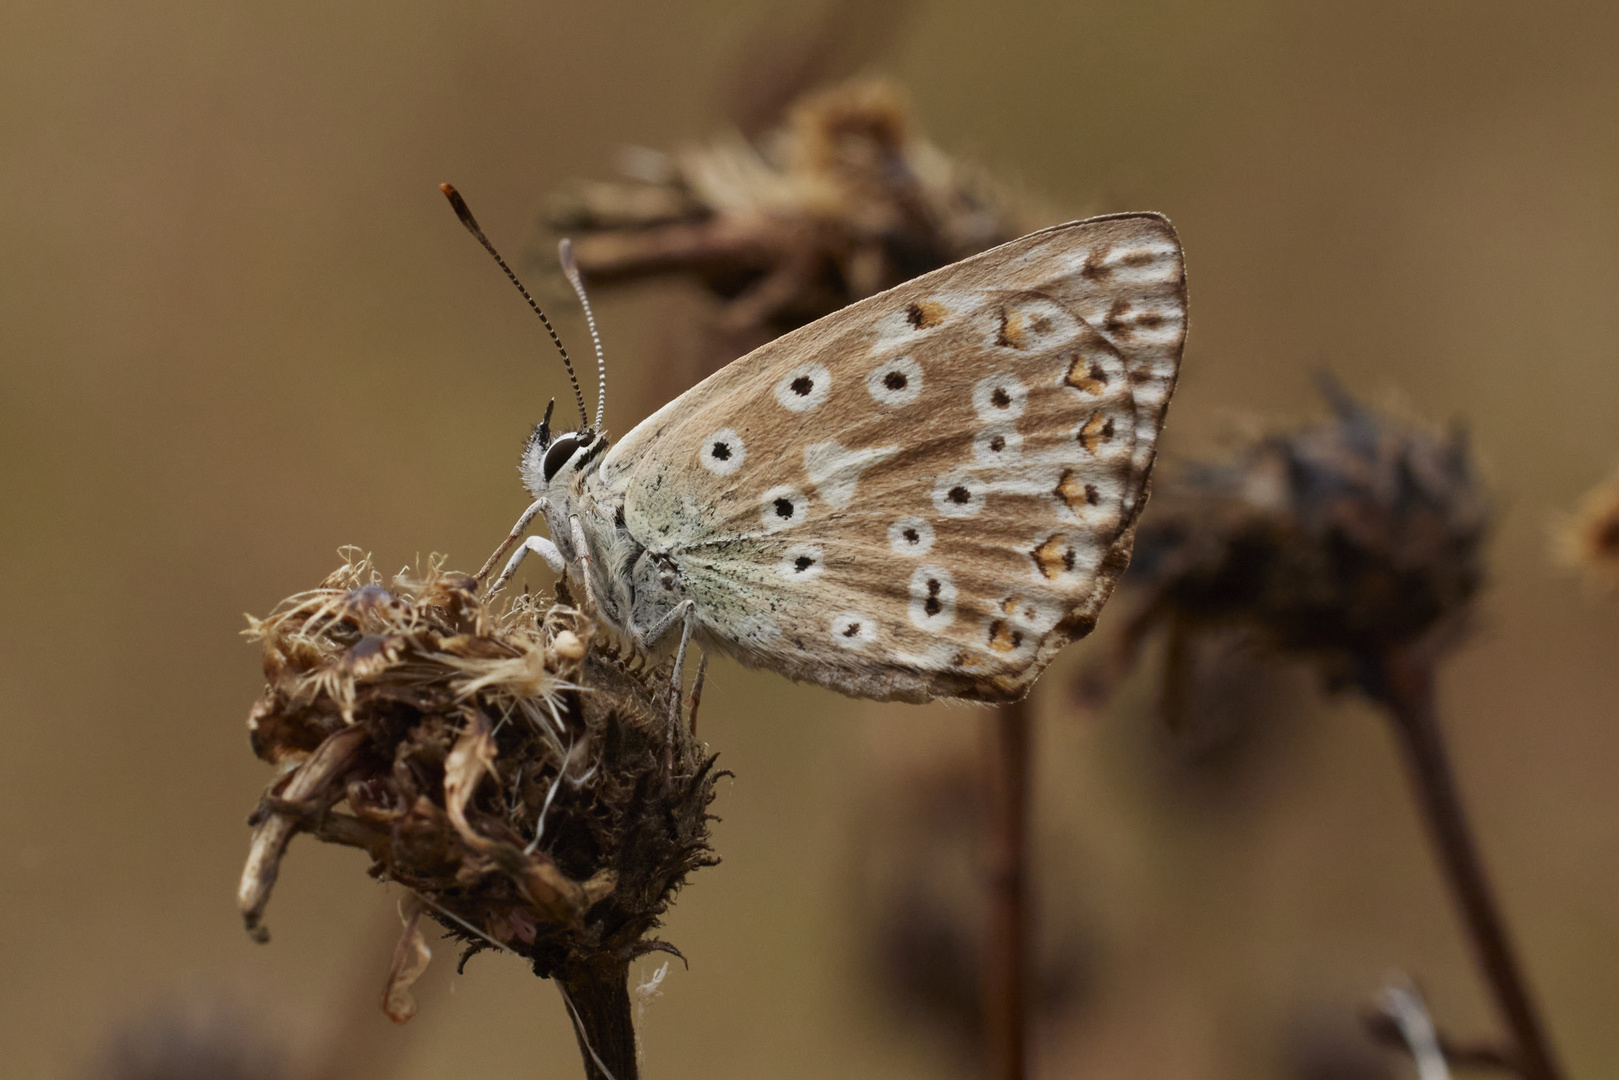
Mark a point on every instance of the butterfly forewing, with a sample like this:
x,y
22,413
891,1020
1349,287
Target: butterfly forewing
x,y
927,493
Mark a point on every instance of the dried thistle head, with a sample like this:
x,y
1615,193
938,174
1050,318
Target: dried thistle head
x,y
526,784
1589,540
841,201
1346,540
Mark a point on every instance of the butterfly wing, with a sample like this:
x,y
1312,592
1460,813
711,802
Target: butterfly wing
x,y
927,493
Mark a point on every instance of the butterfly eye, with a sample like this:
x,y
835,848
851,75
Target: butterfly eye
x,y
561,451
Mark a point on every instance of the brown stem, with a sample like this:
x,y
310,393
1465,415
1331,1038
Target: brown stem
x,y
1006,962
597,997
1409,683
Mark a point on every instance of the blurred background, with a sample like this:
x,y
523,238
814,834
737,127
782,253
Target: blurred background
x,y
239,327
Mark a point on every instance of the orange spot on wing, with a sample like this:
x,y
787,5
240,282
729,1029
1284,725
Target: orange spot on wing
x,y
1003,638
1014,331
925,314
1096,430
1054,556
1085,374
1076,493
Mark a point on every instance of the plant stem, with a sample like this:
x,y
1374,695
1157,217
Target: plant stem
x,y
1006,957
1409,695
597,996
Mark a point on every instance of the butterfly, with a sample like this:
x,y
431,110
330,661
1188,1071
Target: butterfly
x,y
923,495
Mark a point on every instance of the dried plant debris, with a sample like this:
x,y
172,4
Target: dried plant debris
x,y
209,1034
524,782
920,905
841,201
1344,541
1589,540
783,58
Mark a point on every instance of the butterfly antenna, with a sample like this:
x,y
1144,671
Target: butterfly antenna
x,y
569,268
461,211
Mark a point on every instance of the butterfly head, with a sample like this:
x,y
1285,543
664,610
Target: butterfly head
x,y
550,465
551,462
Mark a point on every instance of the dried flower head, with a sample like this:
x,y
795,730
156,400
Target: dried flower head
x,y
1345,540
1589,540
922,908
842,201
526,784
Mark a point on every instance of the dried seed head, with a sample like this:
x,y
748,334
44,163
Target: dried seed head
x,y
1590,539
1344,540
842,201
524,783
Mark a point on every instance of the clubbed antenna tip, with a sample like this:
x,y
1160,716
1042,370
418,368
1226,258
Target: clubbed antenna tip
x,y
464,212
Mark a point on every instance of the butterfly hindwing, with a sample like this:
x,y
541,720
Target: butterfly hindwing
x,y
928,493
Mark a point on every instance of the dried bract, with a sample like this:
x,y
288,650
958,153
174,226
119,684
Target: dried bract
x,y
525,783
1590,539
1346,540
841,202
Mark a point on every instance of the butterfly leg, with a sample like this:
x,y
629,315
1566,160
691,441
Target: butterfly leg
x,y
697,688
680,661
693,702
538,544
645,639
535,509
582,552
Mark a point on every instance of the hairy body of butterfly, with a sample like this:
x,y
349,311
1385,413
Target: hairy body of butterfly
x,y
924,495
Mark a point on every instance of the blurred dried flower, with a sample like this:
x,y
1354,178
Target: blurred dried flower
x,y
1223,687
1357,542
1346,540
1589,540
842,201
524,783
923,909
786,55
201,1036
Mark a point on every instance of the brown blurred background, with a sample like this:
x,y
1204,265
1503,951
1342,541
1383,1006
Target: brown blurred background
x,y
239,327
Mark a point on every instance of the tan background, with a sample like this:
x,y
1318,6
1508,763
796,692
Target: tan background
x,y
238,327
